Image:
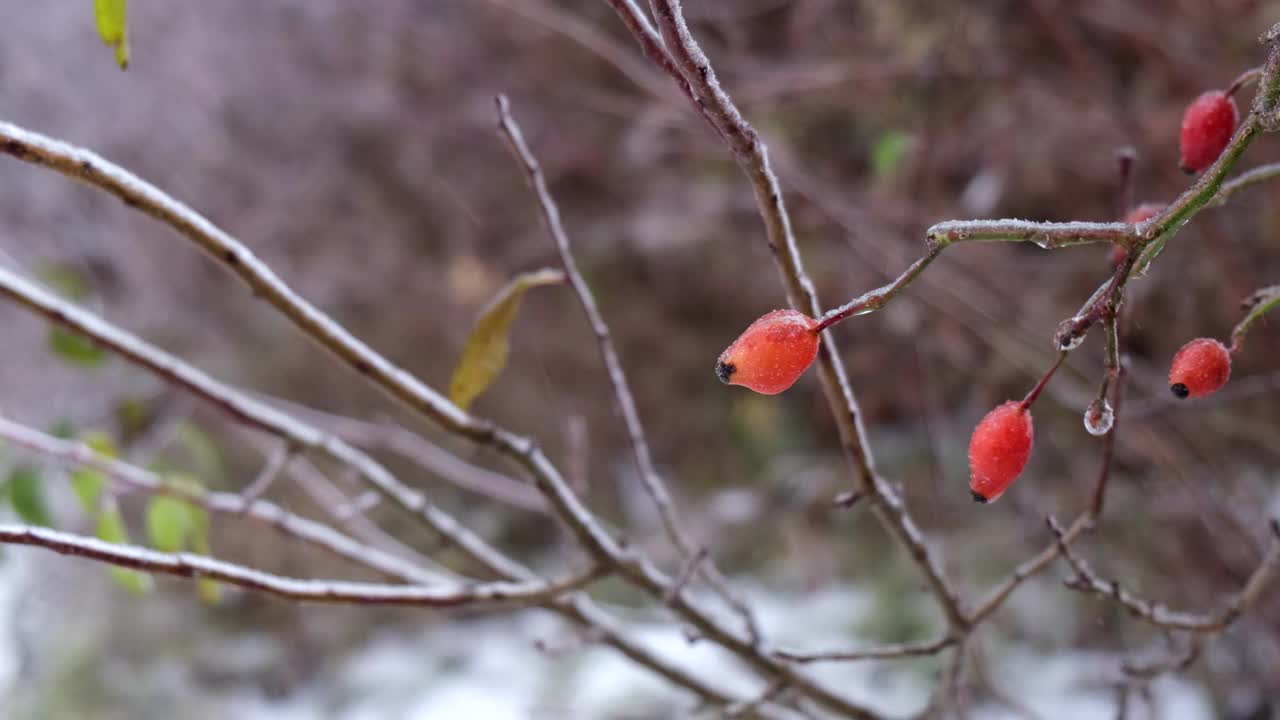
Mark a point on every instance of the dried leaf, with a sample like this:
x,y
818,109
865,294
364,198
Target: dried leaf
x,y
485,354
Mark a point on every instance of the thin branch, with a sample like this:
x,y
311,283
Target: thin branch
x,y
74,454
326,591
276,462
259,415
652,482
878,298
1176,662
1049,235
393,438
255,414
1244,180
1087,581
401,385
1084,522
884,652
1260,303
685,57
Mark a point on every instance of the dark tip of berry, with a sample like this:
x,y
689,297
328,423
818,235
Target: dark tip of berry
x,y
1187,170
1180,390
977,497
724,370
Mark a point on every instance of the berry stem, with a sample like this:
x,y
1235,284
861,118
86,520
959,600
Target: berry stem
x,y
1262,173
1126,158
1260,303
1108,443
1039,388
1049,235
1245,78
878,298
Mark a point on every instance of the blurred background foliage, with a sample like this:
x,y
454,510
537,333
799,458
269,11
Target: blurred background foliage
x,y
352,146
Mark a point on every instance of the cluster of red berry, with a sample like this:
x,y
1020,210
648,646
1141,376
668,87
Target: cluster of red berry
x,y
776,349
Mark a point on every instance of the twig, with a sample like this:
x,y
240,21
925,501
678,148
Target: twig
x,y
1086,580
1049,235
384,435
1244,180
884,652
745,708
404,387
322,536
276,462
327,591
652,482
1176,662
1260,303
996,597
690,65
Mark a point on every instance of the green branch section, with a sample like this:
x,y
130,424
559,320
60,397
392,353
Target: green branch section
x,y
1260,303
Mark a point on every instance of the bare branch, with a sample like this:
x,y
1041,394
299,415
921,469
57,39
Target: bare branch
x,y
322,536
684,56
1244,180
1049,235
652,482
276,462
1208,622
884,652
1260,303
327,591
82,164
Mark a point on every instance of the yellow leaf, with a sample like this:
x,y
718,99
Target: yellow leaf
x,y
485,354
109,16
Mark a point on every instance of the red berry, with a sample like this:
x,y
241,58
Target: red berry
x,y
1206,129
999,450
772,353
1141,213
1200,368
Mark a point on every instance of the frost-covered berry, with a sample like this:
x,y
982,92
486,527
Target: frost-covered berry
x,y
1206,129
999,450
772,353
1200,368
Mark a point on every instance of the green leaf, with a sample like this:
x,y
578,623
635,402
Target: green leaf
x,y
74,349
209,591
101,443
109,16
63,429
66,280
203,452
887,154
26,493
485,354
169,523
88,485
111,528
137,583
